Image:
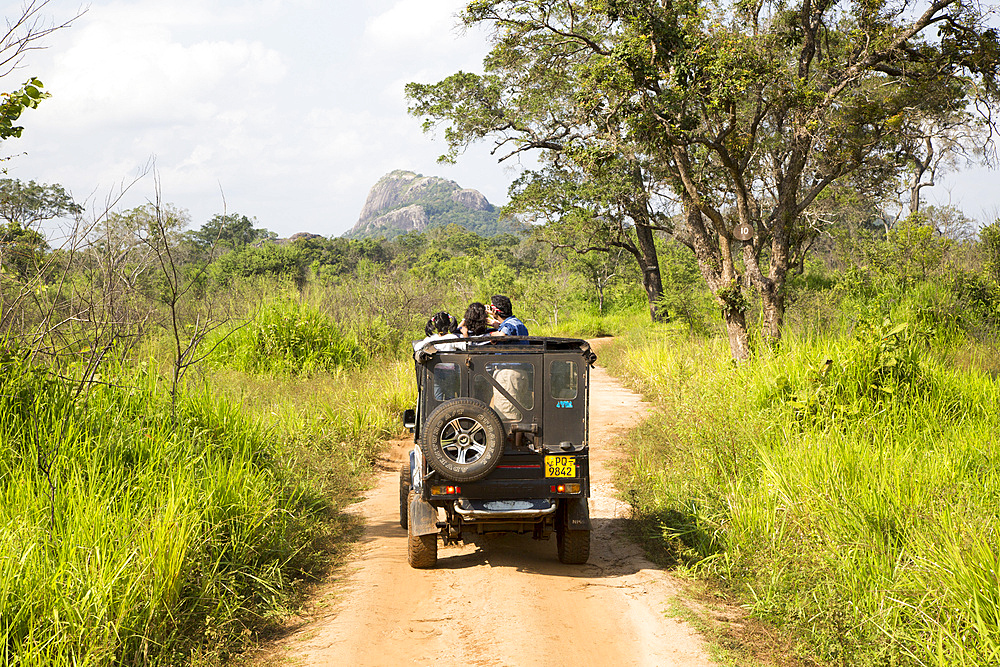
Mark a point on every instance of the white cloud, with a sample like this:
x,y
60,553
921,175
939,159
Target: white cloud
x,y
114,77
424,24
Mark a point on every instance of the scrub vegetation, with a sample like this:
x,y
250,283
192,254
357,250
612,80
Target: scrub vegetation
x,y
183,420
842,487
734,190
180,432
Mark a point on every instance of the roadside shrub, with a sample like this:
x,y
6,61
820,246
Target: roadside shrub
x,y
269,259
882,363
287,337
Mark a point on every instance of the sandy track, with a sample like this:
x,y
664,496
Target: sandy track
x,y
509,602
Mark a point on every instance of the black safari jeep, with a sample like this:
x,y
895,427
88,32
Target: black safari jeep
x,y
501,444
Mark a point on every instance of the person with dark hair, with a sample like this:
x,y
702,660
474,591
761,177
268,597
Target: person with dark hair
x,y
440,326
476,322
503,318
441,323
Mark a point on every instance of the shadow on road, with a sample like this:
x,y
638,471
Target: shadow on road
x,y
611,553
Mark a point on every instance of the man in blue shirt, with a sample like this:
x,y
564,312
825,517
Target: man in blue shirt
x,y
503,318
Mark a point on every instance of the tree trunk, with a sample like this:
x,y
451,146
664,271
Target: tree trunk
x,y
772,287
773,312
649,263
739,339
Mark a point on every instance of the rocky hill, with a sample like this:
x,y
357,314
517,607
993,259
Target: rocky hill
x,y
403,201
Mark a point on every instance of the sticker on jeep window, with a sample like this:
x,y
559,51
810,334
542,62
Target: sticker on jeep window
x,y
564,404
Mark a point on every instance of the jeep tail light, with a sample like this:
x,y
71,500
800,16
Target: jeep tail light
x,y
445,490
565,488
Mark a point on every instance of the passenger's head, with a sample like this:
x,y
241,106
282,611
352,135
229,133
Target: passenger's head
x,y
475,319
441,323
503,306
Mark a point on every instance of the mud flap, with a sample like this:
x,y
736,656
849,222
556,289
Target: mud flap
x,y
423,517
577,514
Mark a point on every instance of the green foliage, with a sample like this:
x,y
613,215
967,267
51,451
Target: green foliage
x,y
883,363
838,498
125,542
729,111
231,231
22,206
286,337
685,297
841,488
14,103
911,251
271,260
22,251
990,243
28,203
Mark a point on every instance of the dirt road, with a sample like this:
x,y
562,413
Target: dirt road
x,y
509,603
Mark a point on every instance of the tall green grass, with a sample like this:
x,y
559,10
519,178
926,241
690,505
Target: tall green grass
x,y
351,410
844,488
285,336
586,324
126,539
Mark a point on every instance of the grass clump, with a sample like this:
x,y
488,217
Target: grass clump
x,y
288,337
844,488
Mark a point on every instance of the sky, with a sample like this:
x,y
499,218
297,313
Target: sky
x,y
286,111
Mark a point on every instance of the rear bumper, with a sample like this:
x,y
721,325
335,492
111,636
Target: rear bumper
x,y
492,510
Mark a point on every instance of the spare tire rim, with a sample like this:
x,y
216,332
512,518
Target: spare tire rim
x,y
463,440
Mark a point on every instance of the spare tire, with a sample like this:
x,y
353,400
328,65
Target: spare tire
x,y
463,439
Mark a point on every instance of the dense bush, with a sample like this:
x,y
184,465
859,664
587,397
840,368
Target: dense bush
x,y
287,337
270,260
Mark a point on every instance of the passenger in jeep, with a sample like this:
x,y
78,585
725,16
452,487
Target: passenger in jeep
x,y
440,328
514,378
502,317
476,320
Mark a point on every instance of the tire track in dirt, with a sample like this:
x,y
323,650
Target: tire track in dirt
x,y
509,602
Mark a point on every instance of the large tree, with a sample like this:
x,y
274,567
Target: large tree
x,y
231,231
23,206
746,111
27,204
595,189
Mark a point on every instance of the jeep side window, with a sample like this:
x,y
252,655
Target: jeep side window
x,y
446,381
563,380
482,389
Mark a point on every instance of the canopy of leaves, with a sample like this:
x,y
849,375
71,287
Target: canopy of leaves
x,y
28,203
229,231
742,113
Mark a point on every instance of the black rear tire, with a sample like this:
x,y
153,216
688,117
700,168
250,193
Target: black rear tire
x,y
463,439
573,546
404,494
421,550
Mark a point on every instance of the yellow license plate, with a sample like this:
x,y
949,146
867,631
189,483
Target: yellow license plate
x,y
560,466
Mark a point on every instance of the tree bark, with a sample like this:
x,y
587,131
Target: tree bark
x,y
736,327
649,263
715,261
